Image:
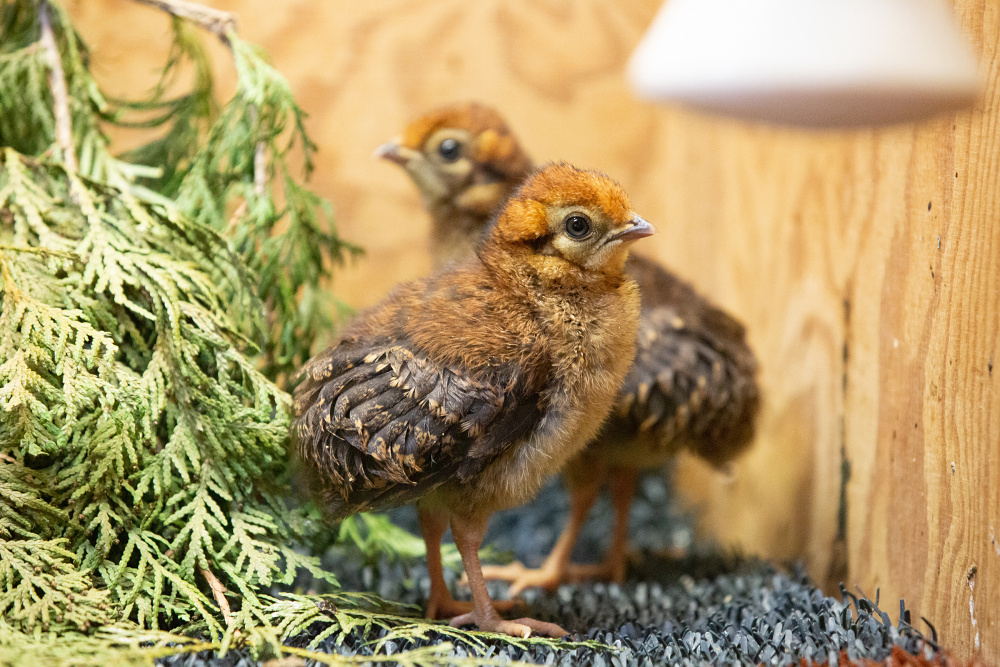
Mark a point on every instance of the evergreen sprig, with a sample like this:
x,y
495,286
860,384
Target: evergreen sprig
x,y
149,303
237,178
142,451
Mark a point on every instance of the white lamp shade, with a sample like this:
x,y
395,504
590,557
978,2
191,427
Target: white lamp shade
x,y
818,63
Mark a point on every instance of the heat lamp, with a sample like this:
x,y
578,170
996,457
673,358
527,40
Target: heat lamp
x,y
814,63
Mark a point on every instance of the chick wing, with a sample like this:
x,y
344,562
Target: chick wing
x,y
383,424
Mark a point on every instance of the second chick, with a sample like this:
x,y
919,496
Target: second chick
x,y
692,385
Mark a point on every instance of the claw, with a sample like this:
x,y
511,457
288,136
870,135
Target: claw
x,y
522,577
550,579
440,610
522,627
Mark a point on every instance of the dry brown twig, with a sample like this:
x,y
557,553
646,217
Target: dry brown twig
x,y
219,593
57,85
215,21
219,23
237,214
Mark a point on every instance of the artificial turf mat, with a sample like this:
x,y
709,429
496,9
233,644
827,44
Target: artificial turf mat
x,y
705,608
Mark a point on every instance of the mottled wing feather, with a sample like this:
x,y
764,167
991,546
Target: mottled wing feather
x,y
378,425
690,386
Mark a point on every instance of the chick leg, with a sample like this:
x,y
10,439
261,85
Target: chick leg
x,y
440,603
583,490
468,534
623,485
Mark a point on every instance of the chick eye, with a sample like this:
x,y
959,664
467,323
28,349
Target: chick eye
x,y
577,226
450,149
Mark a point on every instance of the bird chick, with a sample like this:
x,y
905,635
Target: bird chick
x,y
463,391
465,163
693,384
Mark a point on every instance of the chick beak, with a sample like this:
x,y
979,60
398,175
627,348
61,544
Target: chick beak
x,y
639,229
392,151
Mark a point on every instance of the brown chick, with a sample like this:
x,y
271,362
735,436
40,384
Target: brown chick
x,y
465,390
693,383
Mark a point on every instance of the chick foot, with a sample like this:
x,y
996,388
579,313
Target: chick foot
x,y
550,579
521,577
522,627
449,607
468,532
553,572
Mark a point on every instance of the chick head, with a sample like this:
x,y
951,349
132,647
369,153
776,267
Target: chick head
x,y
459,155
570,215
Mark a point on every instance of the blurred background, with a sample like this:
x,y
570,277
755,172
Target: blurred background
x,y
865,263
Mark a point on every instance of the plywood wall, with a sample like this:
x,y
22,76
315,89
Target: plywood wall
x,y
866,264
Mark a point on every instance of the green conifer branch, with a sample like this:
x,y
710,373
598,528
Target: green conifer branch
x,y
238,179
143,481
133,425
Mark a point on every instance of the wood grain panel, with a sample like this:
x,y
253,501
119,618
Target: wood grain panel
x,y
866,264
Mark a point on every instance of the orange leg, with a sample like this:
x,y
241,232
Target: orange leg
x,y
468,534
555,570
623,485
440,603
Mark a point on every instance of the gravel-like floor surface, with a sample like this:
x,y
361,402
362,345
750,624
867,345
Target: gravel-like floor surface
x,y
704,608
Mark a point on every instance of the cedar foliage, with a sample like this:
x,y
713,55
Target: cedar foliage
x,y
151,304
147,303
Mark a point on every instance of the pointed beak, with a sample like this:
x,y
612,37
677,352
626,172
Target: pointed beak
x,y
393,152
639,229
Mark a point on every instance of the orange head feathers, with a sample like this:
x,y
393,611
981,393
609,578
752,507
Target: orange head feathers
x,y
490,140
465,162
456,141
565,214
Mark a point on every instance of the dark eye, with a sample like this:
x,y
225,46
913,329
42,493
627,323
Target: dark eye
x,y
450,149
577,226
